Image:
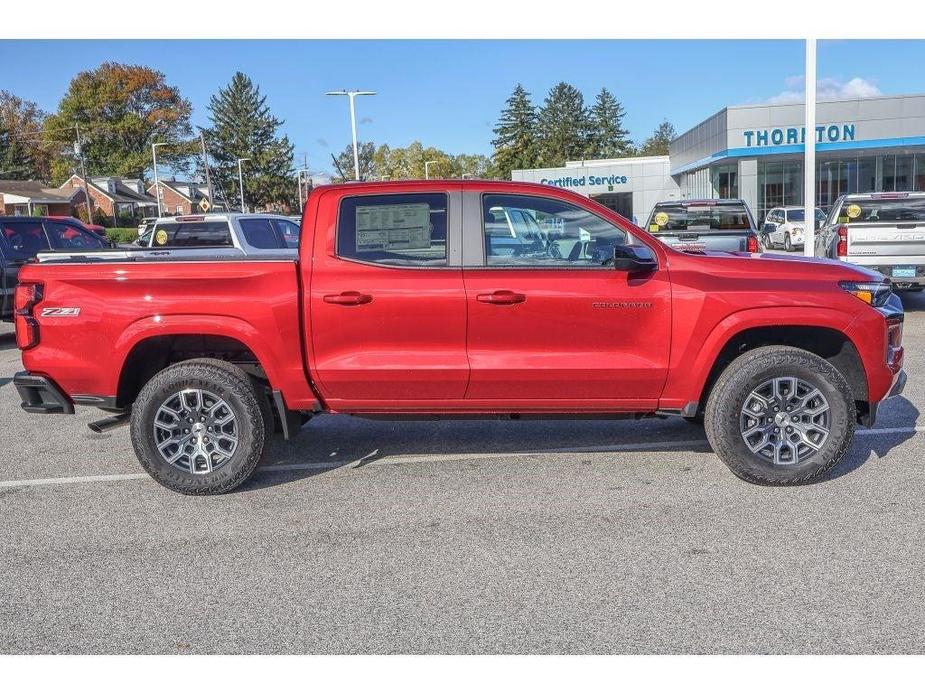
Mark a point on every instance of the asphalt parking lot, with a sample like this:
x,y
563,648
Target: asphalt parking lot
x,y
447,537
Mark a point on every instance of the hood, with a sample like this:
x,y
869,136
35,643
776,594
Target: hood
x,y
782,266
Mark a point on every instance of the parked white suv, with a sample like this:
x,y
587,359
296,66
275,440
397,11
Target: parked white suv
x,y
783,227
233,233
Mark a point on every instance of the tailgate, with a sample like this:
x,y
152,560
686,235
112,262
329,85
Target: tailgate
x,y
887,240
706,240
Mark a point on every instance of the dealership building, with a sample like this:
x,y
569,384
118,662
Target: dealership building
x,y
756,153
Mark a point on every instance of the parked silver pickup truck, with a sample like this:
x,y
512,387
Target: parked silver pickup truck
x,y
248,234
881,231
704,225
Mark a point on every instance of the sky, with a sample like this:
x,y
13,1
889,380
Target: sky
x,y
449,94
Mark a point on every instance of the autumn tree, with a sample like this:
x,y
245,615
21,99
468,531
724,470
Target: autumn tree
x,y
22,153
515,142
657,143
244,128
121,110
344,168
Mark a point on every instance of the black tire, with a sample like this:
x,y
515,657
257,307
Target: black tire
x,y
765,242
747,373
788,244
225,381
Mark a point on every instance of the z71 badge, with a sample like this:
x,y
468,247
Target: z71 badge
x,y
70,311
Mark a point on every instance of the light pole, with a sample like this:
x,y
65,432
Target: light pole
x,y
157,184
427,167
241,182
352,94
809,153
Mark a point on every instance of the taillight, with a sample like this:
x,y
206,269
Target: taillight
x,y
842,249
27,295
751,245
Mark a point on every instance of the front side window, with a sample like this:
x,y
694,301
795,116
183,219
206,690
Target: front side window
x,y
192,234
70,236
542,232
401,230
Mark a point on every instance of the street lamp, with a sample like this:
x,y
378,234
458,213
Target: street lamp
x,y
157,185
427,167
241,182
352,94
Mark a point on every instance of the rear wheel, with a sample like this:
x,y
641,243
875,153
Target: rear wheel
x,y
780,416
198,427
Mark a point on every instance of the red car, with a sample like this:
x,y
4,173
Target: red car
x,y
460,298
95,228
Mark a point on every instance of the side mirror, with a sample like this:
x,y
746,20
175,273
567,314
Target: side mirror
x,y
634,259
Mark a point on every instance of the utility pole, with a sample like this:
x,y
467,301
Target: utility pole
x,y
157,183
83,173
205,161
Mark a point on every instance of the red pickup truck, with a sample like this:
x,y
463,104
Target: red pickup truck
x,y
465,299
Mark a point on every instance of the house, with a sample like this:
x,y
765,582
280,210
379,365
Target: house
x,y
183,197
35,197
122,200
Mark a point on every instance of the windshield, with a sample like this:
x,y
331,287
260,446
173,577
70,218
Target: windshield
x,y
800,215
901,210
668,218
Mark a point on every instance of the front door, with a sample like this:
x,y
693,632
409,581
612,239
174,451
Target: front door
x,y
550,325
387,304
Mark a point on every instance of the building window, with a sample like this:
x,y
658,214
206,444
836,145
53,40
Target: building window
x,y
780,183
918,181
179,209
725,181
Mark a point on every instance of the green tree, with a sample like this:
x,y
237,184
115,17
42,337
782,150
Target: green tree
x,y
122,110
344,169
244,128
608,137
515,142
22,154
658,142
564,126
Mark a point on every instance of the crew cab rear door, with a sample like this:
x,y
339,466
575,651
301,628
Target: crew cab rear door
x,y
387,303
550,325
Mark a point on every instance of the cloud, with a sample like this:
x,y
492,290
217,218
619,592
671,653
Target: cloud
x,y
321,141
827,89
366,121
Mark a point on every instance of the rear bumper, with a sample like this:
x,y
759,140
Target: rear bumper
x,y
41,395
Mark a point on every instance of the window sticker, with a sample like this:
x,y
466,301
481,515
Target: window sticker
x,y
661,218
160,238
854,211
393,227
654,227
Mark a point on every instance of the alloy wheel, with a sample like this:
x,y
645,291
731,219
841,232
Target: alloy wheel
x,y
195,431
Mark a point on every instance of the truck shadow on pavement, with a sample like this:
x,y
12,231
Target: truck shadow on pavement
x,y
330,443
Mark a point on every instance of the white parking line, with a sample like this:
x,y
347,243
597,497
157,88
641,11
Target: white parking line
x,y
438,457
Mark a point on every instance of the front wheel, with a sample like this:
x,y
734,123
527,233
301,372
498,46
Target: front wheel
x,y
780,416
198,428
788,244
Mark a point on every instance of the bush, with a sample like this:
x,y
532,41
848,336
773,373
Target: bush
x,y
122,234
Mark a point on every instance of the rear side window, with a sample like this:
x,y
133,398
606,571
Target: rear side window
x,y
24,239
267,232
402,230
198,234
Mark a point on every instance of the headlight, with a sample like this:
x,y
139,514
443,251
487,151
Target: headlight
x,y
872,293
798,230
